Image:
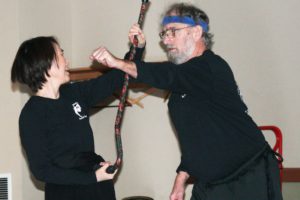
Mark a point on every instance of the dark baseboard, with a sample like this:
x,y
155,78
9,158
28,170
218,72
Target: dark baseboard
x,y
291,175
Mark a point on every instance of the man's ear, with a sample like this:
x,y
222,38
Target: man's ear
x,y
198,31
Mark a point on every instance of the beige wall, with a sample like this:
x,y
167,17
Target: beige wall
x,y
258,38
10,153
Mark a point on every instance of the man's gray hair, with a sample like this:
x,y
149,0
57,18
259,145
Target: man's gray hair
x,y
184,9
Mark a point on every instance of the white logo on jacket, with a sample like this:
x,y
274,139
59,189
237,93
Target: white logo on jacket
x,y
77,110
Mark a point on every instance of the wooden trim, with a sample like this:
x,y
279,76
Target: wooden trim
x,y
85,73
291,175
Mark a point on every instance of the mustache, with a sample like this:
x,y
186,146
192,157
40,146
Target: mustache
x,y
170,47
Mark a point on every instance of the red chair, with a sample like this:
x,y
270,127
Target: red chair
x,y
278,144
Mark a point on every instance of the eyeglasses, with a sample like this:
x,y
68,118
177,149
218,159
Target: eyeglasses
x,y
171,32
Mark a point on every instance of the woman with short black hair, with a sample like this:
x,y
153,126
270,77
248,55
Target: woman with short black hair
x,y
54,123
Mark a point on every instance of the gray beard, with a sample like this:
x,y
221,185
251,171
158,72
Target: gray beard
x,y
179,58
176,59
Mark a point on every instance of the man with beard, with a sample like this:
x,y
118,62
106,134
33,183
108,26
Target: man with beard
x,y
221,146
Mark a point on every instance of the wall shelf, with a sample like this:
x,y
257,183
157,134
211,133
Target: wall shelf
x,y
86,73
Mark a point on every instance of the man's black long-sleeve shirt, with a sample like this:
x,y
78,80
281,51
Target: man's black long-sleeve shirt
x,y
215,133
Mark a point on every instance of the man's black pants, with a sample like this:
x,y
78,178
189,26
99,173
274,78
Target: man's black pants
x,y
256,180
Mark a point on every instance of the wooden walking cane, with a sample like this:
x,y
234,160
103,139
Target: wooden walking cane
x,y
111,169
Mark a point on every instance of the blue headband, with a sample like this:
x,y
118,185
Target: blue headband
x,y
185,20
